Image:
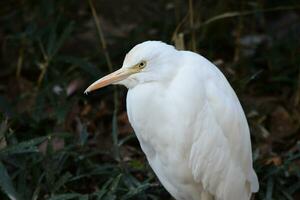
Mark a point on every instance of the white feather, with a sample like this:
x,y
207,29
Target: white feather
x,y
190,125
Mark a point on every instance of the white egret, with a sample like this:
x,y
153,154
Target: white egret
x,y
189,123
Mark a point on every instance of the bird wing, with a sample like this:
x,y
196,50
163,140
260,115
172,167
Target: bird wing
x,y
220,156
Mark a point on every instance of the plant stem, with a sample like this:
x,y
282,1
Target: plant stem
x,y
193,35
109,64
43,65
20,63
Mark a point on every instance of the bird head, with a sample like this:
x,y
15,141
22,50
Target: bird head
x,y
146,62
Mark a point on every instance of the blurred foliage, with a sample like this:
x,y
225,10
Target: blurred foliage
x,y
55,143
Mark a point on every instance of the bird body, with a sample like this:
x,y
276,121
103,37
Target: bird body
x,y
189,123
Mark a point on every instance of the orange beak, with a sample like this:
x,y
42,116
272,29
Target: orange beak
x,y
112,78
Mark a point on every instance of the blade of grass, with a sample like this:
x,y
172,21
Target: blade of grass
x,y
43,65
52,37
7,185
63,37
3,128
36,193
108,60
287,195
20,62
270,185
6,108
134,191
84,197
126,139
243,13
82,64
23,147
65,196
61,181
191,19
115,183
100,35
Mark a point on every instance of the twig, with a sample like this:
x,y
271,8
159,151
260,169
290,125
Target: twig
x,y
297,93
177,10
239,31
243,13
20,62
191,19
178,39
43,65
101,35
109,64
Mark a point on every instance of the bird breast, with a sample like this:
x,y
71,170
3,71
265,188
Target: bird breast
x,y
163,121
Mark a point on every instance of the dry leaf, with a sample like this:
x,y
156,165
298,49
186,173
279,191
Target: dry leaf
x,y
276,160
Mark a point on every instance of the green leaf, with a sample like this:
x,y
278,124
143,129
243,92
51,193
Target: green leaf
x,y
6,107
65,178
83,137
287,195
36,193
84,197
104,169
270,185
99,194
115,183
293,188
110,197
65,196
52,39
65,34
134,191
3,128
55,41
126,139
23,147
115,131
104,189
7,185
83,64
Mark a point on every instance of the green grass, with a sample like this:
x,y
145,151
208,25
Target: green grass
x,y
56,143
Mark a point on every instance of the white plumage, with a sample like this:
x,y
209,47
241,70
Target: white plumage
x,y
189,122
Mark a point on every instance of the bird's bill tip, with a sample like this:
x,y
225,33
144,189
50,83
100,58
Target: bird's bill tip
x,y
102,82
112,78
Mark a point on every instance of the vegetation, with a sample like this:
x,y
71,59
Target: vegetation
x,y
58,144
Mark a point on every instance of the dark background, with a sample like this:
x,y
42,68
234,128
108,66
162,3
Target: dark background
x,y
57,143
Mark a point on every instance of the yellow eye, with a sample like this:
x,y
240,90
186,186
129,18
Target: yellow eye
x,y
142,64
